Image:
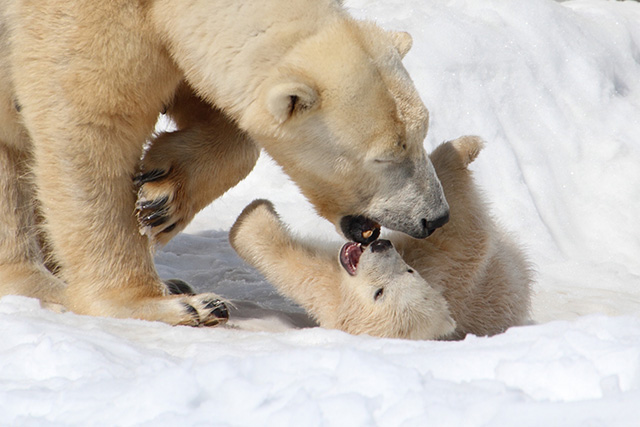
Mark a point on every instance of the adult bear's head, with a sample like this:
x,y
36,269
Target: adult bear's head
x,y
341,115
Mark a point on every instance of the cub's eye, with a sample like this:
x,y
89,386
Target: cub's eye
x,y
378,294
410,271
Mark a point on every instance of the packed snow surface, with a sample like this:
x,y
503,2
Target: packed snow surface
x,y
554,89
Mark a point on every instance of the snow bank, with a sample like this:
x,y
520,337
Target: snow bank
x,y
554,88
68,369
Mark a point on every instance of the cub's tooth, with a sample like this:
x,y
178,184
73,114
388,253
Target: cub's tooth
x,y
366,234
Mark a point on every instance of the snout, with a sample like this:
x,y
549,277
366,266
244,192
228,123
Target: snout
x,y
412,200
433,225
421,228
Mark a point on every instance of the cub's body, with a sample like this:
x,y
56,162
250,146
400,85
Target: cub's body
x,y
472,276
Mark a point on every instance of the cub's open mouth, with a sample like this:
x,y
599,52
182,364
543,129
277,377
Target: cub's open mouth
x,y
350,256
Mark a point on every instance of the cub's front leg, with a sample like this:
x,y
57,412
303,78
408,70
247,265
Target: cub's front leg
x,y
184,171
305,273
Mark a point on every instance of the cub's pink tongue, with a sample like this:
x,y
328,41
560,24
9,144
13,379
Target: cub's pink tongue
x,y
349,256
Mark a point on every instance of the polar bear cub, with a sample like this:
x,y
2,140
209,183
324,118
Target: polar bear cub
x,y
468,277
380,295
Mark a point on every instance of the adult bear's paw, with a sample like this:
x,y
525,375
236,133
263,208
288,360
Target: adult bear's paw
x,y
202,310
162,208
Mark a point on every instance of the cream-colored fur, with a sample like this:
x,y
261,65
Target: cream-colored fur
x,y
386,298
330,101
469,269
483,273
82,83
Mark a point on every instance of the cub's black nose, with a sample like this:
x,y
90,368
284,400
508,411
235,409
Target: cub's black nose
x,y
381,246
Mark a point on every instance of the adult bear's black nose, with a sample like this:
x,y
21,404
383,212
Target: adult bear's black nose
x,y
381,245
431,226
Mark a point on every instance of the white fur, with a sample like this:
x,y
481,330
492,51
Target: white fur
x,y
472,277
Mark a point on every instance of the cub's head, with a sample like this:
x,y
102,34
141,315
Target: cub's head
x,y
383,296
342,117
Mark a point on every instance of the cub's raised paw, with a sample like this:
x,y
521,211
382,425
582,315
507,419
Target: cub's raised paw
x,y
161,209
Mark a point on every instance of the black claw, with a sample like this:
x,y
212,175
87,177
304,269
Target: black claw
x,y
179,287
211,322
213,304
170,228
192,311
152,205
159,221
218,309
221,312
153,215
153,219
152,175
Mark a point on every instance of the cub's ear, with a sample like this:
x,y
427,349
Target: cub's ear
x,y
468,148
287,99
456,154
402,42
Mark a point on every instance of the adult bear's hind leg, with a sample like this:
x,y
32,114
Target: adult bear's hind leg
x,y
22,269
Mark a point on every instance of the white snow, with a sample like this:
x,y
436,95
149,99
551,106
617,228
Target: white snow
x,y
554,88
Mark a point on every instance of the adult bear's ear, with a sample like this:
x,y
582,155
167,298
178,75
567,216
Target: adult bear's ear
x,y
287,99
402,41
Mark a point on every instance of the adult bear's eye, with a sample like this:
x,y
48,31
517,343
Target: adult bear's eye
x,y
410,270
378,294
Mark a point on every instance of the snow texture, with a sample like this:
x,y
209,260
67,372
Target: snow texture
x,y
554,89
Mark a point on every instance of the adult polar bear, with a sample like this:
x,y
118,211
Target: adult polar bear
x,y
81,86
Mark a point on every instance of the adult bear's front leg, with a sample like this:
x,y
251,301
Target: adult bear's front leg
x,y
184,171
90,90
93,232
